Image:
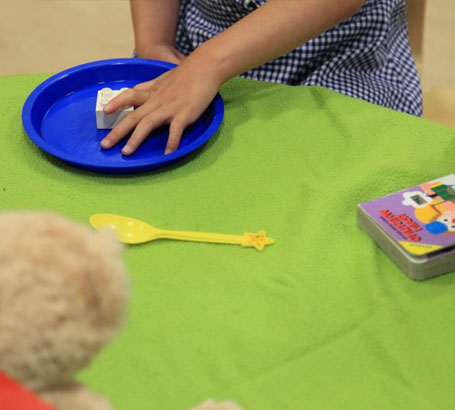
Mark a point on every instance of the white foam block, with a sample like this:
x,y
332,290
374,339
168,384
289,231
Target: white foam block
x,y
109,121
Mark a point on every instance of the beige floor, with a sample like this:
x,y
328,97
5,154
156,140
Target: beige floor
x,y
46,36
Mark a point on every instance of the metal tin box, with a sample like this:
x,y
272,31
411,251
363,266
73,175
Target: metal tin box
x,y
415,227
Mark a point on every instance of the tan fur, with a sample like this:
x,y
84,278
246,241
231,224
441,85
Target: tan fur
x,y
211,405
63,295
75,397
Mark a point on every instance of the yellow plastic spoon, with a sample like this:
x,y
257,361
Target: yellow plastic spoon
x,y
134,231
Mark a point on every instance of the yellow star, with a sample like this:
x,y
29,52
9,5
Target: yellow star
x,y
258,240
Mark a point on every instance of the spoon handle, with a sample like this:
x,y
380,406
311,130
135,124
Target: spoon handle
x,y
258,240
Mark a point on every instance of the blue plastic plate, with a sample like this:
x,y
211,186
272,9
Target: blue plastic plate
x,y
59,117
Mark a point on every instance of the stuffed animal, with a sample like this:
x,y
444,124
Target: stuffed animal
x,y
63,296
211,405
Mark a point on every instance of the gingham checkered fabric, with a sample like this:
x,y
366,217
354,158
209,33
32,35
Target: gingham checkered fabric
x,y
367,56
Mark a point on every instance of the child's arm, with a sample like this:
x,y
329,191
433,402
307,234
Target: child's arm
x,y
180,96
154,23
273,30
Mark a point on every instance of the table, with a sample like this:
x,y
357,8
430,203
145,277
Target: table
x,y
322,319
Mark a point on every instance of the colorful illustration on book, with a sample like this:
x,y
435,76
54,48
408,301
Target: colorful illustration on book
x,y
422,218
439,214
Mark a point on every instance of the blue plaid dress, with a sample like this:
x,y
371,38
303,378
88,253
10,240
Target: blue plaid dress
x,y
367,56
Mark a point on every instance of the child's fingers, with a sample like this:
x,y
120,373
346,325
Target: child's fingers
x,y
175,135
123,127
148,123
127,98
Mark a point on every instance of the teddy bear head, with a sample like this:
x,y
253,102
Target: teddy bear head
x,y
63,295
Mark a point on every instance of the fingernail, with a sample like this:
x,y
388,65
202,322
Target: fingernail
x,y
127,150
108,107
105,144
168,151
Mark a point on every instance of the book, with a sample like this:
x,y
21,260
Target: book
x,y
415,226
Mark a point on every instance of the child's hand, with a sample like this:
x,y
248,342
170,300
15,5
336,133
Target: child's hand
x,y
177,97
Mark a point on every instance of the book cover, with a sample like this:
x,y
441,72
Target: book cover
x,y
421,219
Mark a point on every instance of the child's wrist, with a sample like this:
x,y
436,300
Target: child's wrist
x,y
214,64
150,49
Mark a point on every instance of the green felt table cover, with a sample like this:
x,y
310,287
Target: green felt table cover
x,y
322,319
